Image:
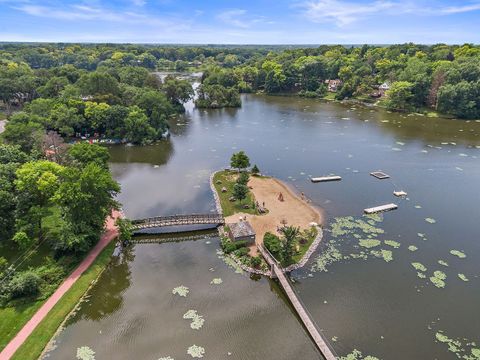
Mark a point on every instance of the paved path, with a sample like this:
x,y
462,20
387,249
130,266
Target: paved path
x,y
111,232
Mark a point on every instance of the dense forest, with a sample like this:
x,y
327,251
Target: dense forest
x,y
416,77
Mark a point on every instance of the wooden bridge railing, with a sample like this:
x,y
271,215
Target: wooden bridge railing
x,y
320,341
172,220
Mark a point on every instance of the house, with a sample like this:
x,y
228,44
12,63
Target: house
x,y
333,85
242,231
382,89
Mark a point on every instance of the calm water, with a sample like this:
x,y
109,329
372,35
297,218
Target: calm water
x,y
380,308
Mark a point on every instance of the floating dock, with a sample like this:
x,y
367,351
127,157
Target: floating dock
x,y
381,208
399,193
326,178
380,175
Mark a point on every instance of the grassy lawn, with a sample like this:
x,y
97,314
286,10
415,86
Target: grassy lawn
x,y
329,96
226,179
34,345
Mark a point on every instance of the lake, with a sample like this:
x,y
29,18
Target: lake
x,y
380,306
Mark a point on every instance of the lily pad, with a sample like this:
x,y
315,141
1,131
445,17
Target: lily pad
x,y
458,253
85,353
412,248
196,351
369,243
392,243
181,291
419,266
216,281
463,277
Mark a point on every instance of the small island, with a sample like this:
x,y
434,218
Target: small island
x,y
263,211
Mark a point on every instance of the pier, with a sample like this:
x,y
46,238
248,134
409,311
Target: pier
x,y
381,208
320,341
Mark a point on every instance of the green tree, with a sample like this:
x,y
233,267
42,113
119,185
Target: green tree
x,y
240,191
290,234
26,283
239,161
125,229
255,170
399,95
24,131
243,178
137,128
84,153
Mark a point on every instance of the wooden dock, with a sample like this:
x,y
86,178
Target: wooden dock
x,y
320,341
326,178
381,208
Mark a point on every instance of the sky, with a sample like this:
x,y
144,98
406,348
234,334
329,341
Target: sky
x,y
242,22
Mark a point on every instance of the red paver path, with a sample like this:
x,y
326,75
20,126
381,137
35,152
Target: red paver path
x,y
111,233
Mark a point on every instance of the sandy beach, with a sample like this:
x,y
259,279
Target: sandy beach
x,y
294,210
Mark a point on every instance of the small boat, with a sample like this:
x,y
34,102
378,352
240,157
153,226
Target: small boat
x,y
326,178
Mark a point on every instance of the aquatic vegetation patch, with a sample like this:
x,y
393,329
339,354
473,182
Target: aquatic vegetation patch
x,y
359,233
166,358
440,275
196,351
197,320
369,243
421,275
463,277
430,220
442,262
181,291
438,279
419,266
85,353
412,248
458,253
463,349
357,355
328,256
216,281
392,243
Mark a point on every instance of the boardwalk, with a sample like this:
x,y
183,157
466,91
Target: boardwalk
x,y
322,344
178,220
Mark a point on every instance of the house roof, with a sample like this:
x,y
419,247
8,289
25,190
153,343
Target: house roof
x,y
241,229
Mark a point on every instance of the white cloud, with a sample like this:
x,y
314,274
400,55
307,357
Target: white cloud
x,y
139,2
234,18
461,9
342,12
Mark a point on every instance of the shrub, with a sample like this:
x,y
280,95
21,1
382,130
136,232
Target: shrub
x,y
255,261
242,252
273,244
26,283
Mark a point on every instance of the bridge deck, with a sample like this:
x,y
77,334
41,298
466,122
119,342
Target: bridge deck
x,y
177,220
319,340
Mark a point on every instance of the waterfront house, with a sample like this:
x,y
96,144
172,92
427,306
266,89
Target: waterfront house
x,y
333,85
382,89
242,231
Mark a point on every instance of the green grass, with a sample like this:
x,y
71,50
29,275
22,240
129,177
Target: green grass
x,y
3,116
34,345
329,96
227,179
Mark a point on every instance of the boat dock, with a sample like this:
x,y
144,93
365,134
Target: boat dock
x,y
381,208
320,341
326,178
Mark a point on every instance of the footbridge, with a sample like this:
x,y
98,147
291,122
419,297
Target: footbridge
x,y
320,341
178,220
